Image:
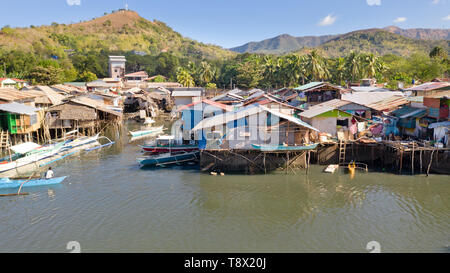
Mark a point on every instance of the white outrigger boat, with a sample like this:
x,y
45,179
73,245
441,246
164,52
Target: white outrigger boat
x,y
152,130
30,156
26,154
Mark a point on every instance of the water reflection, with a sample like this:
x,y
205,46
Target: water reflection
x,y
109,204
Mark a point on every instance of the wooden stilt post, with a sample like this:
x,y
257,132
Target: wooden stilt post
x,y
412,160
420,155
264,162
401,161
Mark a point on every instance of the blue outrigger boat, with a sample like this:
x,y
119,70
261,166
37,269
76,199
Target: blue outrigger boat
x,y
275,148
168,159
6,183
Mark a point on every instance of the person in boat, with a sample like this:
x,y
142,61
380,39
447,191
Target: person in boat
x,y
49,173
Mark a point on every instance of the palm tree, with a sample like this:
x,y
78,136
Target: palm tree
x,y
354,65
206,73
339,70
316,66
371,63
269,70
185,78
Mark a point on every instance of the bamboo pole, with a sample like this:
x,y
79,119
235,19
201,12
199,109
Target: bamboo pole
x,y
431,161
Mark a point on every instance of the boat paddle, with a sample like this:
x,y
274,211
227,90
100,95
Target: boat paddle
x,y
20,188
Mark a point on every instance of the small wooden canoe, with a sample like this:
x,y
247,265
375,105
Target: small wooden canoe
x,y
147,132
6,183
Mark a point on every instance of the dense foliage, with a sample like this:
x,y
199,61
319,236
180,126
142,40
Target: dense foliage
x,y
79,52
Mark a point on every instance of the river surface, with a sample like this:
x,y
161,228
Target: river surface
x,y
109,204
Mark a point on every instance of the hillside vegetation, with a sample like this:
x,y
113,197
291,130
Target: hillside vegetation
x,y
119,31
379,42
390,40
282,44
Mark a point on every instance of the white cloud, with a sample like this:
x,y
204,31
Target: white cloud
x,y
374,2
400,20
435,2
73,2
327,21
446,18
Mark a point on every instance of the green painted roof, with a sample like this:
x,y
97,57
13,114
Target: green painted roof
x,y
308,86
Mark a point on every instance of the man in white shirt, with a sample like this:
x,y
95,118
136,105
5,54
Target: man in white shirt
x,y
49,174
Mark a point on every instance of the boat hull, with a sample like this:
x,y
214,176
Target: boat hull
x,y
146,132
11,184
160,150
169,159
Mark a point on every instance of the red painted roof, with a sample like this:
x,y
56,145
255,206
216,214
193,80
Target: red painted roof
x,y
137,74
14,79
210,102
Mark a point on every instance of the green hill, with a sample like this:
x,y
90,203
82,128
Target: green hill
x,y
380,42
119,31
388,40
282,44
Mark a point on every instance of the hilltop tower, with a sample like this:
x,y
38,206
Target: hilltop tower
x,y
117,66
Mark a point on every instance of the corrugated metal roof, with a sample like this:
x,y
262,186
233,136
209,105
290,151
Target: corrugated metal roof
x,y
227,117
428,86
309,86
18,108
290,118
439,124
186,93
95,104
366,98
407,111
324,107
389,103
11,94
137,74
210,102
368,89
245,112
52,95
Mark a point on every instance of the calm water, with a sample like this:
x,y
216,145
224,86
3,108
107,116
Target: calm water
x,y
108,204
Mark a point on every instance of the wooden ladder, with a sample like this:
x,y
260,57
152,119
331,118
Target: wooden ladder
x,y
4,140
342,148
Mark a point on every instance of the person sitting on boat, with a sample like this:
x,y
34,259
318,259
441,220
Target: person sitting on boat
x,y
49,174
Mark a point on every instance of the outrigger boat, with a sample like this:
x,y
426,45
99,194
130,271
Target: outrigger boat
x,y
149,131
168,159
28,153
271,148
168,144
7,183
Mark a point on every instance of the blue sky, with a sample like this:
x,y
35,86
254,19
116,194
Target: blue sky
x,y
231,23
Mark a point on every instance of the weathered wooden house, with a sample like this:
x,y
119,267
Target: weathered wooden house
x,y
317,92
82,113
336,116
254,124
20,120
9,95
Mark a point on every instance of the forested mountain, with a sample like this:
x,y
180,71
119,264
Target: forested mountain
x,y
118,31
282,44
383,41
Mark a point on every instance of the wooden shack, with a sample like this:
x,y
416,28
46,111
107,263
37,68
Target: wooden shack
x,y
82,113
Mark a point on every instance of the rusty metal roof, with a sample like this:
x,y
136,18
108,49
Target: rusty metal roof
x,y
428,86
12,94
390,103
